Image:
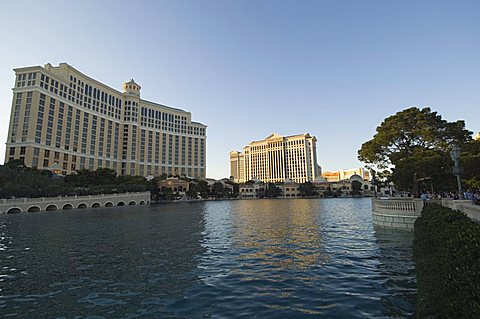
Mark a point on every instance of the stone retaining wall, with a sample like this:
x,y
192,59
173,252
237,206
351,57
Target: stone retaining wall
x,y
394,221
401,213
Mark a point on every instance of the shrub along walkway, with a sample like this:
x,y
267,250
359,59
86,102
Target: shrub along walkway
x,y
446,250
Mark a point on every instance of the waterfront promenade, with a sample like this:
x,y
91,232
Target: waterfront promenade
x,y
401,213
20,205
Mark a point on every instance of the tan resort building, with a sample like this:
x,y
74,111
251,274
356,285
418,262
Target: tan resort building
x,y
344,174
64,119
277,158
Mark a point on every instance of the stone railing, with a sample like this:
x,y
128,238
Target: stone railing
x,y
398,213
408,206
19,205
402,212
472,211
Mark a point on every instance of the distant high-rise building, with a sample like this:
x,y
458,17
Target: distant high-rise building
x,y
66,120
343,174
276,159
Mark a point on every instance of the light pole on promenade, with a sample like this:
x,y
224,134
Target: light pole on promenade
x,y
372,172
457,169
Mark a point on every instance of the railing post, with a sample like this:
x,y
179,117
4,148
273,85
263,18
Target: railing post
x,y
418,205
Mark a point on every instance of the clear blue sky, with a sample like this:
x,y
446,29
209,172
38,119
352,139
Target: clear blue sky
x,y
334,68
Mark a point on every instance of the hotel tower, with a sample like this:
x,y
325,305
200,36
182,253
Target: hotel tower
x,y
276,159
63,120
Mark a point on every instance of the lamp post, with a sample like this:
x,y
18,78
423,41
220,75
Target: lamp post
x,y
457,169
374,182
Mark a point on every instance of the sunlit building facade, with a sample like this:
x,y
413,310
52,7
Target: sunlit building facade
x,y
276,159
343,174
64,119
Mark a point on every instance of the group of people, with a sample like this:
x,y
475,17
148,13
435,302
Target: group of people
x,y
469,194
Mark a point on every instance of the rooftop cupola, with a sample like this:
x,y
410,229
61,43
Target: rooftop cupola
x,y
131,87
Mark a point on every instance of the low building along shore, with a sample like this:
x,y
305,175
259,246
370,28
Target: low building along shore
x,y
343,174
289,189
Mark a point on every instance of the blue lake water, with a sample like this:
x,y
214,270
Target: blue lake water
x,y
284,258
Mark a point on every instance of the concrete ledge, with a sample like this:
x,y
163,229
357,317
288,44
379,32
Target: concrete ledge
x,y
394,221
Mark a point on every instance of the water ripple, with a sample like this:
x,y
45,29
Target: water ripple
x,y
266,259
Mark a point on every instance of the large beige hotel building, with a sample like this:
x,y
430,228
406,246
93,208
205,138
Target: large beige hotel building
x,y
276,159
66,120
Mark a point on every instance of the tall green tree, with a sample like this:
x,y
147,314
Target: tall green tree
x,y
202,188
307,189
272,191
217,190
430,168
470,161
414,144
356,188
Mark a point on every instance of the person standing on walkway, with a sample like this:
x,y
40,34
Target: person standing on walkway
x,y
469,195
424,196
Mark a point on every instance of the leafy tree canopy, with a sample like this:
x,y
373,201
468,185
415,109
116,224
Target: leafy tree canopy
x,y
410,132
307,189
356,187
414,144
272,191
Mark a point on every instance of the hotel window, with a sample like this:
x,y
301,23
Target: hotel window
x,y
150,138
170,148
18,104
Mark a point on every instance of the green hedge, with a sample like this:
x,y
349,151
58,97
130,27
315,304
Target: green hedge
x,y
446,250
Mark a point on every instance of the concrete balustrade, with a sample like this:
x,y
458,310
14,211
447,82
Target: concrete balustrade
x,y
465,206
401,213
398,213
20,205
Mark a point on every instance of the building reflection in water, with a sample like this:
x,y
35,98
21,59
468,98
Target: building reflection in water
x,y
279,233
